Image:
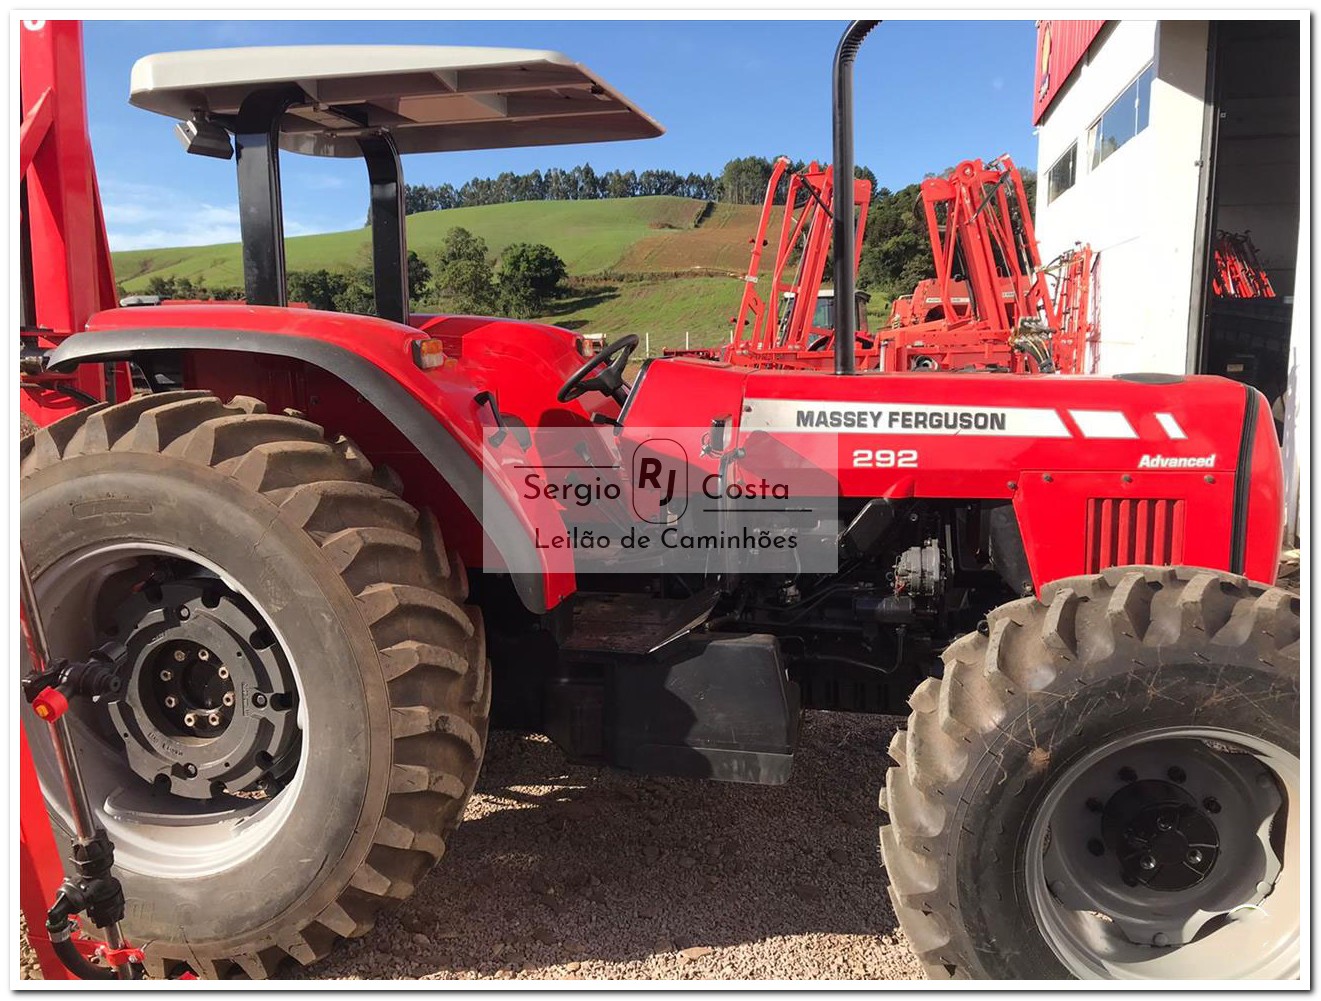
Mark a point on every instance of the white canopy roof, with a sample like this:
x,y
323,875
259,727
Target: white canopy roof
x,y
429,97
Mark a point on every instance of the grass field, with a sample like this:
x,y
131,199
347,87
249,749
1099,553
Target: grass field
x,y
667,310
590,236
630,259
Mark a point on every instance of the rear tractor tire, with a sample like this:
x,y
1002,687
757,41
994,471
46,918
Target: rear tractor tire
x,y
305,694
1105,784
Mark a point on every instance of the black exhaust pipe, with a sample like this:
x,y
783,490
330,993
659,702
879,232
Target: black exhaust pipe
x,y
846,311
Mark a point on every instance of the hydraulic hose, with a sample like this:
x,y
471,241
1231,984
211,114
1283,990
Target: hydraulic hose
x,y
77,964
846,320
74,961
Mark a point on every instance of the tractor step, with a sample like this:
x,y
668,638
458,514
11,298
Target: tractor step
x,y
639,689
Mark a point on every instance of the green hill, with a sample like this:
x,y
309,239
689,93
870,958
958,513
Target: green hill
x,y
629,259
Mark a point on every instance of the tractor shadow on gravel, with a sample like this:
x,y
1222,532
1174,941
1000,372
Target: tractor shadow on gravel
x,y
567,871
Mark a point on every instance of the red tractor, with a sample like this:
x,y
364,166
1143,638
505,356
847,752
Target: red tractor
x,y
277,600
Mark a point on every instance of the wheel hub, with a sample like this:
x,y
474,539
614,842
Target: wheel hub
x,y
208,693
1161,838
1160,835
192,687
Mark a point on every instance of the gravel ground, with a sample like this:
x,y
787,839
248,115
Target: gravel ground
x,y
564,872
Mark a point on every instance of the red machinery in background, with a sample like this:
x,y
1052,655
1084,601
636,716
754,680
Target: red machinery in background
x,y
1238,270
781,329
992,305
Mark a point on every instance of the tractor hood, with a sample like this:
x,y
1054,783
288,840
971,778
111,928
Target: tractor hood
x,y
1158,454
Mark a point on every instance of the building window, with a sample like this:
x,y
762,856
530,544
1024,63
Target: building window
x,y
1125,118
1062,174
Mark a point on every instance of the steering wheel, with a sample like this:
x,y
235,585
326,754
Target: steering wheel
x,y
611,359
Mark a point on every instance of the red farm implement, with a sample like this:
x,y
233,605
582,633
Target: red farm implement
x,y
1238,271
991,305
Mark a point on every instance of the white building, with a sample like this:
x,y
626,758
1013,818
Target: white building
x,y
1154,136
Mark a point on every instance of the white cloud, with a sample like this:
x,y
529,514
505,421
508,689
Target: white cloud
x,y
143,217
140,216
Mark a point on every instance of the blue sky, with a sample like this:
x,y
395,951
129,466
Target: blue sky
x,y
929,93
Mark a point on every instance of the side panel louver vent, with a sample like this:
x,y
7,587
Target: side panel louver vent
x,y
1124,531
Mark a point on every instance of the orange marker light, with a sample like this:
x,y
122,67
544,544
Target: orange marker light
x,y
429,353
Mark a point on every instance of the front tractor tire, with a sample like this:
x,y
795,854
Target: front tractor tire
x,y
1105,784
305,693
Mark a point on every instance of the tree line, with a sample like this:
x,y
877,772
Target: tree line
x,y
580,183
463,277
742,181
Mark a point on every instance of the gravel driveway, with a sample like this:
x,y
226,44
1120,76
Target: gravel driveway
x,y
571,872
566,872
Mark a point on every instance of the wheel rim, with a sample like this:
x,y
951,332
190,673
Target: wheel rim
x,y
1171,854
202,762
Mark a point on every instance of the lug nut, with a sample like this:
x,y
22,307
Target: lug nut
x,y
180,656
1176,774
1147,862
214,719
228,698
1127,774
167,674
170,701
1095,805
190,719
259,700
1160,939
222,673
1164,824
190,770
1194,857
203,654
184,611
1096,847
1211,804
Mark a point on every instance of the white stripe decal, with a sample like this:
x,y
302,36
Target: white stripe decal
x,y
858,417
1103,424
1171,426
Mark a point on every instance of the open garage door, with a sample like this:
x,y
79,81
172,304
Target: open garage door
x,y
1253,211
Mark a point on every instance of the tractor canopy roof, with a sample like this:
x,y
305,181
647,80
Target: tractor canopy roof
x,y
430,98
